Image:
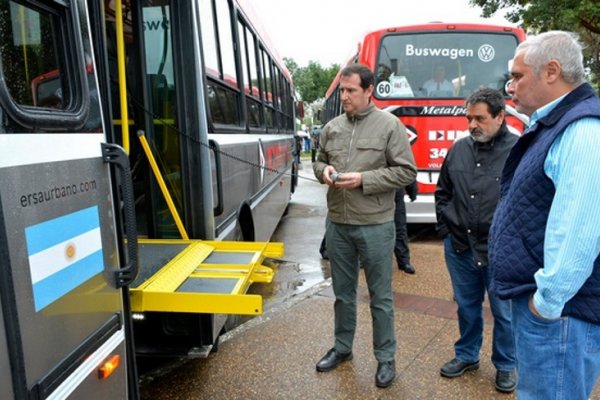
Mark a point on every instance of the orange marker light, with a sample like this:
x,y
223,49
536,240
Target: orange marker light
x,y
109,367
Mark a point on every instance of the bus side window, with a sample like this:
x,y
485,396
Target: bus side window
x,y
34,78
223,105
44,68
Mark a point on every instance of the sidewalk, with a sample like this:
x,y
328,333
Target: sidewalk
x,y
274,356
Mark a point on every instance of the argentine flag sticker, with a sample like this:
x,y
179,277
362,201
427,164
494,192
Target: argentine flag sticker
x,y
63,253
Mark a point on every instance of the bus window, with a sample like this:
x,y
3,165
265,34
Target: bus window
x,y
223,105
28,43
253,113
244,58
252,61
226,44
43,81
448,64
250,89
209,44
267,77
219,58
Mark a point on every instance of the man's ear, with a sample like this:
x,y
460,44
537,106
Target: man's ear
x,y
552,71
501,116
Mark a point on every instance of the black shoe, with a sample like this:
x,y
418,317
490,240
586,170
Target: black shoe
x,y
506,381
332,359
386,373
455,368
408,268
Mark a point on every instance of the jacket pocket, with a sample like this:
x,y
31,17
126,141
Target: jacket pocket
x,y
370,154
336,154
377,144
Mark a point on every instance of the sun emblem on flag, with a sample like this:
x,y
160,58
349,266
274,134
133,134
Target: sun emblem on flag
x,y
70,250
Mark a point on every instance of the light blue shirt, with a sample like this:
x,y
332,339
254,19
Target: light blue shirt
x,y
572,238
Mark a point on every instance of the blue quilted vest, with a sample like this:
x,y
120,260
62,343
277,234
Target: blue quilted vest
x,y
516,249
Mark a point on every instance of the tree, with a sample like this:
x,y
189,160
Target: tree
x,y
311,81
291,65
581,16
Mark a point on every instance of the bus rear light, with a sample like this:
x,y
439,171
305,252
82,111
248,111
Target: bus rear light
x,y
451,27
109,367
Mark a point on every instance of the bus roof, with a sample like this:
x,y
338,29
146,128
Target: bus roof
x,y
252,18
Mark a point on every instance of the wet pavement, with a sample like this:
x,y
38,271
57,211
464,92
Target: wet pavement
x,y
273,356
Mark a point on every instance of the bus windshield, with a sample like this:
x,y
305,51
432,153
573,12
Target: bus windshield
x,y
444,64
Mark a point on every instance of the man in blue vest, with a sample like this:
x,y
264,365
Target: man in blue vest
x,y
465,199
545,237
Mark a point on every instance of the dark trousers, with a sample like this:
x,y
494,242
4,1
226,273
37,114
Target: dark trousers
x,y
372,245
401,246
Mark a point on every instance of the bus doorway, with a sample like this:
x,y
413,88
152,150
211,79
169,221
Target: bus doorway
x,y
206,109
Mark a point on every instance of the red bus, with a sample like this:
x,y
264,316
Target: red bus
x,y
423,73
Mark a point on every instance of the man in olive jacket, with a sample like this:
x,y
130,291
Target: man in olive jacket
x,y
364,157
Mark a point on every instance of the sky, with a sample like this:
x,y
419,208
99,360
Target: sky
x,y
327,31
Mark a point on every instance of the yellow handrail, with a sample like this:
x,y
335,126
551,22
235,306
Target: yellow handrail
x,y
24,24
162,185
121,70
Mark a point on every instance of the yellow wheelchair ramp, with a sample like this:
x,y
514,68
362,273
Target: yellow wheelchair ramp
x,y
195,276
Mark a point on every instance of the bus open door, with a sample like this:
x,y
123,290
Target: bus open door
x,y
63,309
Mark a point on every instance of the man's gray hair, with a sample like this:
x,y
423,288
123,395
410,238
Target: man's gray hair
x,y
564,47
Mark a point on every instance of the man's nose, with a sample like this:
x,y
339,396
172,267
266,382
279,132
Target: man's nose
x,y
510,87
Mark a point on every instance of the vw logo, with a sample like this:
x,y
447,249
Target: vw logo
x,y
486,53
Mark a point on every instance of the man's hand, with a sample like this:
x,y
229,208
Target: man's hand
x,y
534,310
412,190
327,172
348,180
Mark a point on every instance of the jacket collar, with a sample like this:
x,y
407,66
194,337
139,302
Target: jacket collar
x,y
361,115
577,95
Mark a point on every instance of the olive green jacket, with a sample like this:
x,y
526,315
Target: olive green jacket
x,y
373,142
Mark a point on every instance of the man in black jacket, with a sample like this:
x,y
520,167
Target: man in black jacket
x,y
465,199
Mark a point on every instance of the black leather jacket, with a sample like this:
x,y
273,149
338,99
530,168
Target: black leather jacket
x,y
468,190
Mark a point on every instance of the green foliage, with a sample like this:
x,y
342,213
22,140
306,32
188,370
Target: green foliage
x,y
311,81
581,16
